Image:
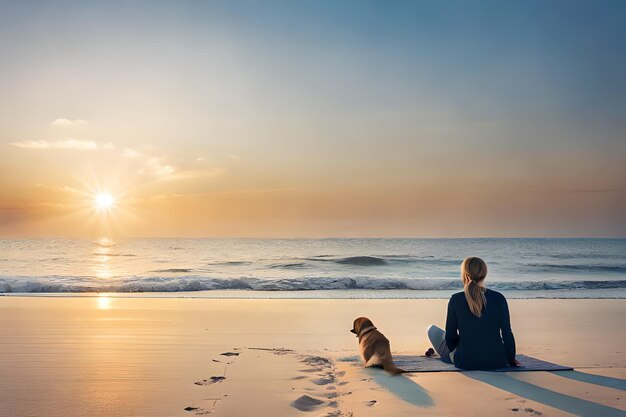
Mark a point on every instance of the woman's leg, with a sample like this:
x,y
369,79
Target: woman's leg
x,y
437,338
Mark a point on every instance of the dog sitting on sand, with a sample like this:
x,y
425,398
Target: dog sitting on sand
x,y
374,346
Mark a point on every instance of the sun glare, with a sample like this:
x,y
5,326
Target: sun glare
x,y
104,303
104,201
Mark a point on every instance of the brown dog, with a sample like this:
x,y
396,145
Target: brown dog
x,y
374,347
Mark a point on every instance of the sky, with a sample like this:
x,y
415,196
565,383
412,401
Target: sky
x,y
313,118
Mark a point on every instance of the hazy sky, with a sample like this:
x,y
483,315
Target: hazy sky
x,y
316,118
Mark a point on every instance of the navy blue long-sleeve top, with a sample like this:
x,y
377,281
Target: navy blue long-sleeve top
x,y
484,342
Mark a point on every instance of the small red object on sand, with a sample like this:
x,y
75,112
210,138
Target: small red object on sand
x,y
430,352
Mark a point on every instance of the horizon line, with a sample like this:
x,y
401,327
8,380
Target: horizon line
x,y
312,238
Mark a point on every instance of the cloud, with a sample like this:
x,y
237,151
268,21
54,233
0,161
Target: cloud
x,y
151,165
131,153
195,174
67,143
68,122
157,167
58,188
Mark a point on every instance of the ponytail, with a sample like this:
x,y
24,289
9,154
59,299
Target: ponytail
x,y
473,272
475,295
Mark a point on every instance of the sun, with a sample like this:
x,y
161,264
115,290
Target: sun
x,y
104,201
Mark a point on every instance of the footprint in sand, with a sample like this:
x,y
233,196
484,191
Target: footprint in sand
x,y
212,380
528,410
339,413
317,361
202,411
306,403
326,376
197,410
324,381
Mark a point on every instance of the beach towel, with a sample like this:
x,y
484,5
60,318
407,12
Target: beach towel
x,y
435,364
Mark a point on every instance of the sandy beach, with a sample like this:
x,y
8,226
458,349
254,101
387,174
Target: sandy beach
x,y
118,356
198,199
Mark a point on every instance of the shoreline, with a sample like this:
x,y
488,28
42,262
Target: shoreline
x,y
333,294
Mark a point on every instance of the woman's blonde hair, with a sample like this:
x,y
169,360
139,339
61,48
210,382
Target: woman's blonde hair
x,y
473,272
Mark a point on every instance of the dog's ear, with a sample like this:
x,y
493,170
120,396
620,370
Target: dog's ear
x,y
356,325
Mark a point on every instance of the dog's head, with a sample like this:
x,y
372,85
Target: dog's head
x,y
360,324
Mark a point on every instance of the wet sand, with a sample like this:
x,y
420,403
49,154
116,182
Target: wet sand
x,y
114,357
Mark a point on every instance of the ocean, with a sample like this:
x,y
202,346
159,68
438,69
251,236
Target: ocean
x,y
311,268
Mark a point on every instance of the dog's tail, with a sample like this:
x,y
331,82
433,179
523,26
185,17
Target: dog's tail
x,y
391,367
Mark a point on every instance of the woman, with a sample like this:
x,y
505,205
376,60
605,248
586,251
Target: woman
x,y
478,329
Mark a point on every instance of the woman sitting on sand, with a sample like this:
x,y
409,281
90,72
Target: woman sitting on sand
x,y
478,328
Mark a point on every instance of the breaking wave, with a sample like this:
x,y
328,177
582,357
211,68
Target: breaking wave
x,y
382,260
57,284
617,269
361,261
